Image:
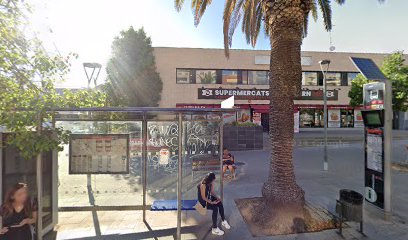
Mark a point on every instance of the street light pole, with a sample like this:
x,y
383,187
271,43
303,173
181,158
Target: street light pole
x,y
94,67
325,157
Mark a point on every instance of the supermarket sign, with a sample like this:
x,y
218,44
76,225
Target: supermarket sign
x,y
260,94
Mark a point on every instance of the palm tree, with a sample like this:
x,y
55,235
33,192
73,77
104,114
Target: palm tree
x,y
285,22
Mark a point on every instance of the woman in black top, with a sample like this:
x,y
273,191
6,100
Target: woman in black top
x,y
18,214
209,199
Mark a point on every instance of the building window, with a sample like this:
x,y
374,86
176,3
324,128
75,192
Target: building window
x,y
206,76
184,76
309,78
311,118
245,77
258,77
350,77
333,79
229,77
306,118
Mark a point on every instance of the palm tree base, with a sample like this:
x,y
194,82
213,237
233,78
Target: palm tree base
x,y
265,218
276,219
290,194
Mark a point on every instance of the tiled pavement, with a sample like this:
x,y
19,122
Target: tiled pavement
x,y
345,171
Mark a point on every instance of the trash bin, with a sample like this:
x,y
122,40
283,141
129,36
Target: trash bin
x,y
350,207
351,196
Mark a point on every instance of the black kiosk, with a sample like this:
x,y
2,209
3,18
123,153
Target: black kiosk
x,y
373,116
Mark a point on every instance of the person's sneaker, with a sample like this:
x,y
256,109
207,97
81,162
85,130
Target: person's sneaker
x,y
217,231
225,224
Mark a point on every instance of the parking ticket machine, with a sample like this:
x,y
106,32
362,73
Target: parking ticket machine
x,y
373,116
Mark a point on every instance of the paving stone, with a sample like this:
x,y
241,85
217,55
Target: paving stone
x,y
322,188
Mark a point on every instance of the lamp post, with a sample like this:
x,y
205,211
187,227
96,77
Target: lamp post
x,y
95,68
324,72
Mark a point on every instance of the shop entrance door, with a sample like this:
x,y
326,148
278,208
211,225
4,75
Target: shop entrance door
x,y
347,118
319,118
265,122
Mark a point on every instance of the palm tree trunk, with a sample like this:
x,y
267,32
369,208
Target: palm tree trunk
x,y
285,83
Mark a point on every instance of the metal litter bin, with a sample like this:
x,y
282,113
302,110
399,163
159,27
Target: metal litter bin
x,y
350,207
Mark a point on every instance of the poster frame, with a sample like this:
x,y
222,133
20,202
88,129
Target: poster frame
x,y
374,180
120,135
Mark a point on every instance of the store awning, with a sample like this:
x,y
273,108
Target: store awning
x,y
186,105
260,108
320,106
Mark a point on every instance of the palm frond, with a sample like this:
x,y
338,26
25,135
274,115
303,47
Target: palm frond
x,y
313,9
342,1
327,13
199,7
250,12
252,20
231,18
229,12
246,21
305,25
178,4
236,18
259,21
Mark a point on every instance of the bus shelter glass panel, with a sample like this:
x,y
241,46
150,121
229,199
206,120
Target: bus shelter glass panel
x,y
19,170
202,145
162,160
200,155
105,188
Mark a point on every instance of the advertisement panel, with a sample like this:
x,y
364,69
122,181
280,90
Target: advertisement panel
x,y
244,115
229,117
296,122
334,118
374,166
164,156
358,119
257,118
374,152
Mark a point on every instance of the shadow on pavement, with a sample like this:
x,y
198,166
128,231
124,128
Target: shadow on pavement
x,y
145,235
92,203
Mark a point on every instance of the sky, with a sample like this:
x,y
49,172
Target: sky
x,y
87,28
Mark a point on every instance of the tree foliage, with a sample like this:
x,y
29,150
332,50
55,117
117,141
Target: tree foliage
x,y
356,92
132,77
394,69
285,22
255,15
27,77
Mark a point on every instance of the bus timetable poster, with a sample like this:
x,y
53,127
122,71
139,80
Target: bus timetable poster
x,y
99,153
375,152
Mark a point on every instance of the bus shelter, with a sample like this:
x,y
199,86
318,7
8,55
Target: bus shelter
x,y
172,147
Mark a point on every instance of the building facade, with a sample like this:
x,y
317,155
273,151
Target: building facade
x,y
202,78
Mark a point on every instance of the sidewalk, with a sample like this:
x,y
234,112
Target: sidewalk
x,y
351,134
345,171
346,139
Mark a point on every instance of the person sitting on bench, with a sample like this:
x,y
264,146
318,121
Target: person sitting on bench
x,y
209,199
228,162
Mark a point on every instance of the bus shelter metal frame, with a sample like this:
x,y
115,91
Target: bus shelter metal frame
x,y
145,112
